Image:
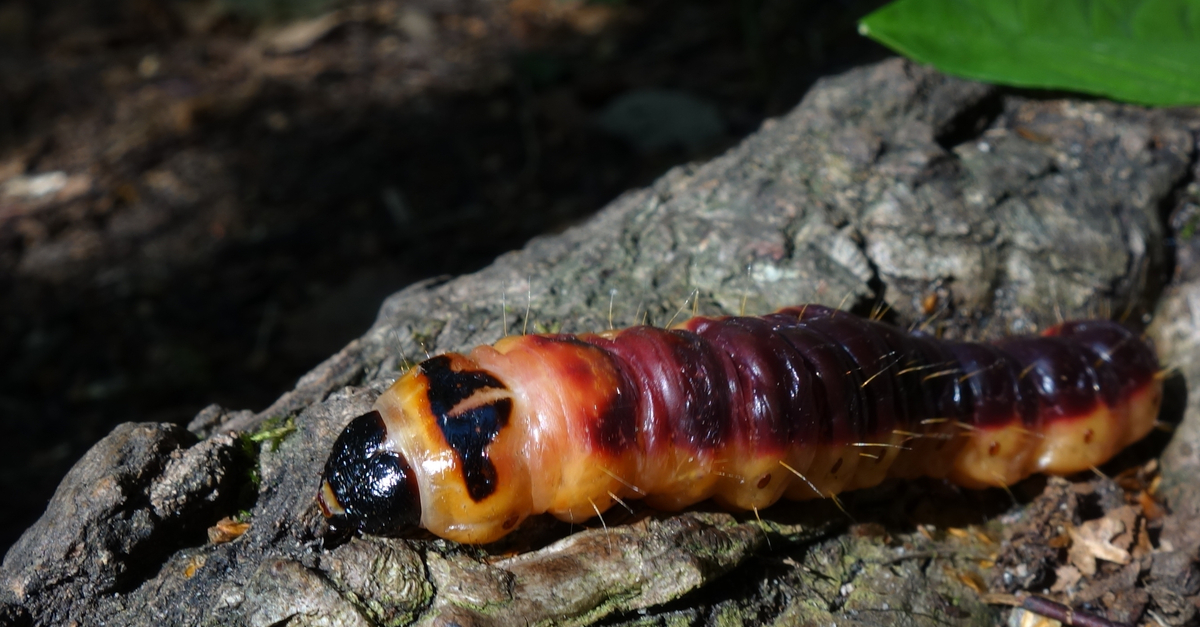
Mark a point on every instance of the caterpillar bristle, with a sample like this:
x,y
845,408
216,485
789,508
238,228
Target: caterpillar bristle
x,y
1166,373
504,311
600,515
941,373
810,484
612,295
623,503
529,306
763,527
623,482
838,502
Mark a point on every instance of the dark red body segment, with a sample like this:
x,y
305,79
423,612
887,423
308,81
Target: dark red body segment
x,y
824,376
1112,350
675,380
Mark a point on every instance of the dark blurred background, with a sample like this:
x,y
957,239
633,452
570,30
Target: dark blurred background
x,y
199,201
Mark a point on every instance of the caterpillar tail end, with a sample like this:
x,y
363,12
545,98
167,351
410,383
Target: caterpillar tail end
x,y
1066,444
366,486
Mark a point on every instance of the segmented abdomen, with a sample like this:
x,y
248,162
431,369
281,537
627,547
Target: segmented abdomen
x,y
803,403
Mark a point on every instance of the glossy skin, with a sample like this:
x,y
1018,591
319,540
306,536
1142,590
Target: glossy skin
x,y
803,403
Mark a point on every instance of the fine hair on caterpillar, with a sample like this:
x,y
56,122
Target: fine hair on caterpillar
x,y
803,403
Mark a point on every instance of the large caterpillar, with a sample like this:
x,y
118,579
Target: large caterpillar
x,y
803,403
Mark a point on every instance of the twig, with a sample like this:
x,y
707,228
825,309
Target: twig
x,y
1064,614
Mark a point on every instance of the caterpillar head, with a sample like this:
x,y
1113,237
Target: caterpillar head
x,y
436,453
366,486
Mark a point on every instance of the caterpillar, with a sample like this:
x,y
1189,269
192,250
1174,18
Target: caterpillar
x,y
803,403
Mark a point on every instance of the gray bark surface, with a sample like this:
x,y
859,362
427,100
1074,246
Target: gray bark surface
x,y
979,211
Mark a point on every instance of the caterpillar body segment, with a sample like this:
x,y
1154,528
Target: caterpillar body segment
x,y
803,403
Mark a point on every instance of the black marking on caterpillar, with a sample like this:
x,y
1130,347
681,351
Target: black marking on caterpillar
x,y
471,430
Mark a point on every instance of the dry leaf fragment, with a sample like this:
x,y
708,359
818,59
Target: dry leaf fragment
x,y
300,36
1066,576
972,580
1150,506
1024,618
1128,516
226,530
56,185
1093,540
1060,541
1143,546
195,563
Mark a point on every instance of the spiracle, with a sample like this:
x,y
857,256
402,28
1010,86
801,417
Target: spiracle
x,y
803,403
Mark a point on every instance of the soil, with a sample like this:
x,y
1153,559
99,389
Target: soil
x,y
201,201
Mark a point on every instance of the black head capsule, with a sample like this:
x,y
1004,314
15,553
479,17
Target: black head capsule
x,y
366,487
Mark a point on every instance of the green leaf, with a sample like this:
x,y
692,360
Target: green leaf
x,y
1143,51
